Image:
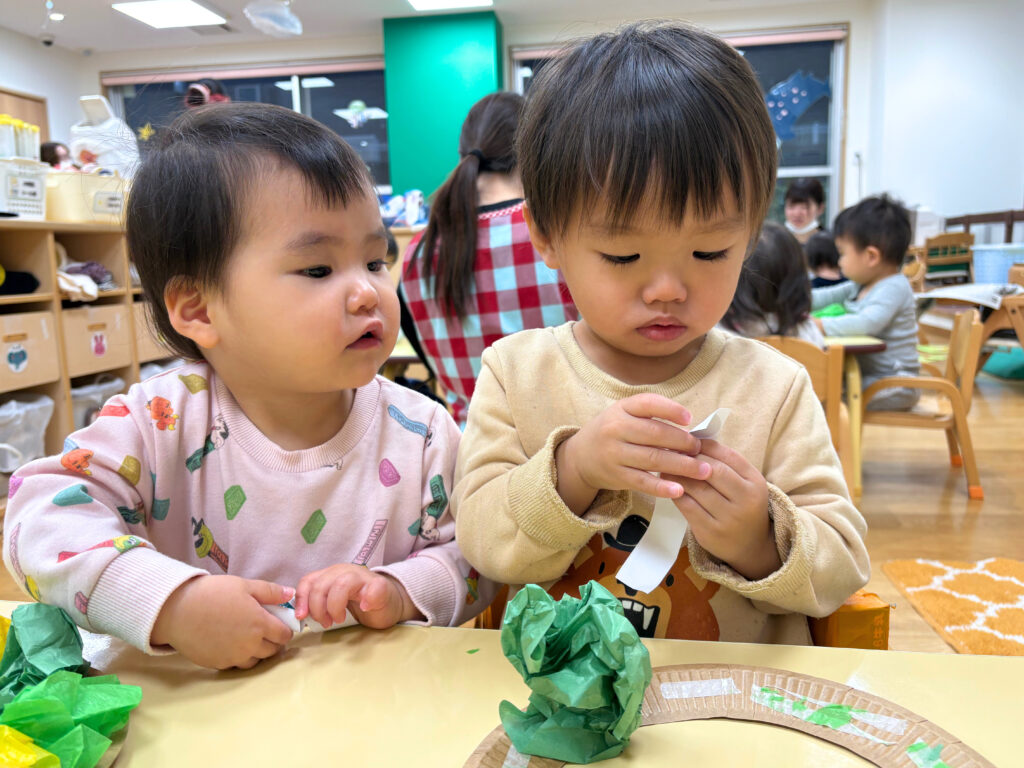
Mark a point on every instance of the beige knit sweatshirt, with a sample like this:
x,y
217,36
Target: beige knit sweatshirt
x,y
537,388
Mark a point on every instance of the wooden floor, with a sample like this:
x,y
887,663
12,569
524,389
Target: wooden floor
x,y
916,504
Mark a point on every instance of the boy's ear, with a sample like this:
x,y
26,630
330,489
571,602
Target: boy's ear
x,y
188,310
541,243
874,255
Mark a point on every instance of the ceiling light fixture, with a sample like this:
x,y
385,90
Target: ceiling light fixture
x,y
447,5
56,16
167,14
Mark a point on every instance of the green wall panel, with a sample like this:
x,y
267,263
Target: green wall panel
x,y
435,69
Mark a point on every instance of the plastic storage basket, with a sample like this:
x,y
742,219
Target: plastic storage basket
x,y
23,422
87,400
23,188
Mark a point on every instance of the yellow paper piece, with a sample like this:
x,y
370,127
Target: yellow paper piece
x,y
19,751
194,382
130,469
5,624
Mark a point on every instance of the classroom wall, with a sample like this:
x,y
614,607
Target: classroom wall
x,y
953,94
435,69
58,75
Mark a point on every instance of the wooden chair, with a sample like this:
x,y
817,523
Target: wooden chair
x,y
949,256
956,385
914,269
825,367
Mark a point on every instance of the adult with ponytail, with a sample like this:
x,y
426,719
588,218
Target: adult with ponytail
x,y
472,276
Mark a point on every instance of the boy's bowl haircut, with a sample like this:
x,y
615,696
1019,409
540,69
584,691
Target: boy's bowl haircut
x,y
616,112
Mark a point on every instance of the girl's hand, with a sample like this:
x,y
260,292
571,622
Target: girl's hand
x,y
220,622
727,509
375,599
620,448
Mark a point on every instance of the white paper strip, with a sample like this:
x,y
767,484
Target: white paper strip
x,y
658,548
286,613
695,689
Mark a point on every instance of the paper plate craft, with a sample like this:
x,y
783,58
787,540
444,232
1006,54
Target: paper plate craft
x,y
658,549
877,730
586,667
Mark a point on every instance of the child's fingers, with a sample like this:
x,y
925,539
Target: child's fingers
x,y
374,594
649,459
660,434
269,593
736,461
651,406
276,631
645,482
342,592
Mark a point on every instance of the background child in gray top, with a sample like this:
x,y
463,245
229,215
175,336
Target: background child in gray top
x,y
872,238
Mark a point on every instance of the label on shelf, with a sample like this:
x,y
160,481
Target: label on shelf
x,y
108,202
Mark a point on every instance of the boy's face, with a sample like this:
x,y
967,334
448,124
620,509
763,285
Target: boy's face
x,y
862,266
307,305
647,296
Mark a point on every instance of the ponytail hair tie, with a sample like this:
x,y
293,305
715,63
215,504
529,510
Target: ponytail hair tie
x,y
478,155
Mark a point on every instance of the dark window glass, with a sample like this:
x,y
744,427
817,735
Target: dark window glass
x,y
359,96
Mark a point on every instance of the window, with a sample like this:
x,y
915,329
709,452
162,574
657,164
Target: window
x,y
351,102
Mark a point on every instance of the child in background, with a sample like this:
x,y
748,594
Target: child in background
x,y
275,466
823,260
773,296
573,431
872,238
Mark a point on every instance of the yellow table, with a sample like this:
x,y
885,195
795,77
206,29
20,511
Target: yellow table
x,y
416,696
852,346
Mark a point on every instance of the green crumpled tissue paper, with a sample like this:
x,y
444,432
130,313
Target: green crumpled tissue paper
x,y
42,639
586,667
72,716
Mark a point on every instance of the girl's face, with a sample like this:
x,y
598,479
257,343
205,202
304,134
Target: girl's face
x,y
647,296
308,305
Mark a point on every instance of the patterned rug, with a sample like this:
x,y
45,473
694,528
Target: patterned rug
x,y
976,607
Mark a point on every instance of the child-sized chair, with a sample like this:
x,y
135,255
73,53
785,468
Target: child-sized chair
x,y
949,257
825,367
956,385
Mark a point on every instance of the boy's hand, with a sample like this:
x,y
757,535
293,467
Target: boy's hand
x,y
220,622
727,509
375,599
620,447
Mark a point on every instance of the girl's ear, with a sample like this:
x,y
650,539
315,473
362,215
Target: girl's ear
x,y
188,310
541,243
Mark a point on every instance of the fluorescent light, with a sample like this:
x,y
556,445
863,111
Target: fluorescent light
x,y
165,14
307,82
317,82
55,16
445,5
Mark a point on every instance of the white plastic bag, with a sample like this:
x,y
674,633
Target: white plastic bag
x,y
88,400
23,423
108,144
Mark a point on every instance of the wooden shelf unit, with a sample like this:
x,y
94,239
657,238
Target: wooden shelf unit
x,y
107,336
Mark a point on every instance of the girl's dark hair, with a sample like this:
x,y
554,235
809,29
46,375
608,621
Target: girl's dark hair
x,y
448,248
821,251
880,221
806,190
187,210
656,108
773,282
48,152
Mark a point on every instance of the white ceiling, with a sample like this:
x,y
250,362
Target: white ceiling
x,y
93,25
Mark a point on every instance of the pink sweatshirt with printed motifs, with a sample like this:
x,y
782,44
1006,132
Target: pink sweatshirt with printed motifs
x,y
173,481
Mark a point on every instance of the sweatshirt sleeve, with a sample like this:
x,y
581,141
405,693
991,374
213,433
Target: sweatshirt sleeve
x,y
77,527
511,523
875,312
818,531
436,576
833,294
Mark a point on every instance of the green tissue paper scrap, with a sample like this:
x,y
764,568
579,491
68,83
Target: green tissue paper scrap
x,y
42,640
73,716
587,671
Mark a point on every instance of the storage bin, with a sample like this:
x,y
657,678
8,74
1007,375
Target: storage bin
x,y
23,422
23,188
97,338
29,346
992,261
88,399
146,343
84,197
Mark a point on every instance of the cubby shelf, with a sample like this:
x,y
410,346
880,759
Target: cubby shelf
x,y
44,344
